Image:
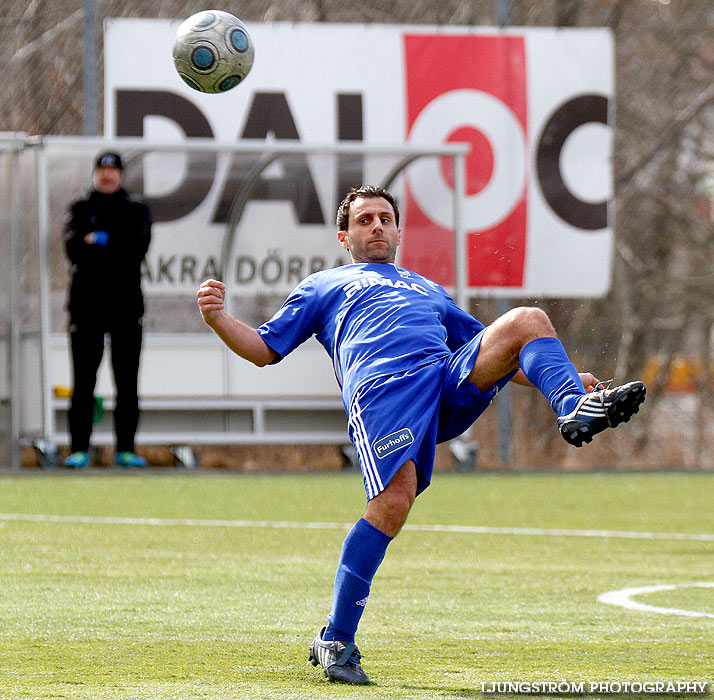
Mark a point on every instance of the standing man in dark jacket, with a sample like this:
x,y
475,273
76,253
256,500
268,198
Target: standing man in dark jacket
x,y
106,238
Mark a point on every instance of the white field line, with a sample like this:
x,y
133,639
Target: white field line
x,y
623,598
294,525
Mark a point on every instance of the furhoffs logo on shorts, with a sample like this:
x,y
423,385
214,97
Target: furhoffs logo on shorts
x,y
392,442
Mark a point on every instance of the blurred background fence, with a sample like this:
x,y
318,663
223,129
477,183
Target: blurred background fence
x,y
656,322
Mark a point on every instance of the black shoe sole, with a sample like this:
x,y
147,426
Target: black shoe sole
x,y
623,407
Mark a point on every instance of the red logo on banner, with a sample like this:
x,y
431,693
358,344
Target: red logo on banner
x,y
467,88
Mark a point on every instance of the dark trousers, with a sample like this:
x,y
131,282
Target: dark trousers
x,y
87,345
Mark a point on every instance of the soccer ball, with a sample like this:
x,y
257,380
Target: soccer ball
x,y
213,51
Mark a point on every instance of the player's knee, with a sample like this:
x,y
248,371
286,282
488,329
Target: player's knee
x,y
389,510
401,504
396,502
531,322
518,327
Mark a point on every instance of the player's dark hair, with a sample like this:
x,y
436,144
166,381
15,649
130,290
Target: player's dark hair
x,y
365,192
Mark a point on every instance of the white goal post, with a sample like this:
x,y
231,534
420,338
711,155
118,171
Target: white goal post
x,y
239,403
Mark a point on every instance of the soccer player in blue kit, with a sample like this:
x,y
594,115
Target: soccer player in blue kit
x,y
415,370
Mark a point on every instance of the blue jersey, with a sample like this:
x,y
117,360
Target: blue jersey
x,y
374,319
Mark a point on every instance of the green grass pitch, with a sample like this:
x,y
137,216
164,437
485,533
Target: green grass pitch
x,y
146,608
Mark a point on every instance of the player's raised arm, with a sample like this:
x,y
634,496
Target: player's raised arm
x,y
238,336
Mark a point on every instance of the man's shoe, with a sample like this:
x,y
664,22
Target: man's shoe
x,y
601,409
77,460
339,659
128,459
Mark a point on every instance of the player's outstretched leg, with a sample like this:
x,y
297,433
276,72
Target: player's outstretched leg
x,y
580,415
601,409
340,659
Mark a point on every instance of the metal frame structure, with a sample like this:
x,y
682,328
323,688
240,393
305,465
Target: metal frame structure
x,y
13,145
40,145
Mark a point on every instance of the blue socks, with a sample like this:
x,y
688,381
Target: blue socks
x,y
547,366
362,553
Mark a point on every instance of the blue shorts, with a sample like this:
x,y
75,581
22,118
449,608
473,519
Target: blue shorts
x,y
403,416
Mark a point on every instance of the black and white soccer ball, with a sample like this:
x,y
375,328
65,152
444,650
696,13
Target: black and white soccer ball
x,y
213,51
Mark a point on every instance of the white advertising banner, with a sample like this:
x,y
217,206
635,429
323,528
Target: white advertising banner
x,y
532,103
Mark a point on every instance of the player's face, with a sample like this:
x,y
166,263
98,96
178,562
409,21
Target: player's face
x,y
372,234
107,179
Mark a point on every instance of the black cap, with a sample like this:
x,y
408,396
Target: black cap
x,y
108,160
